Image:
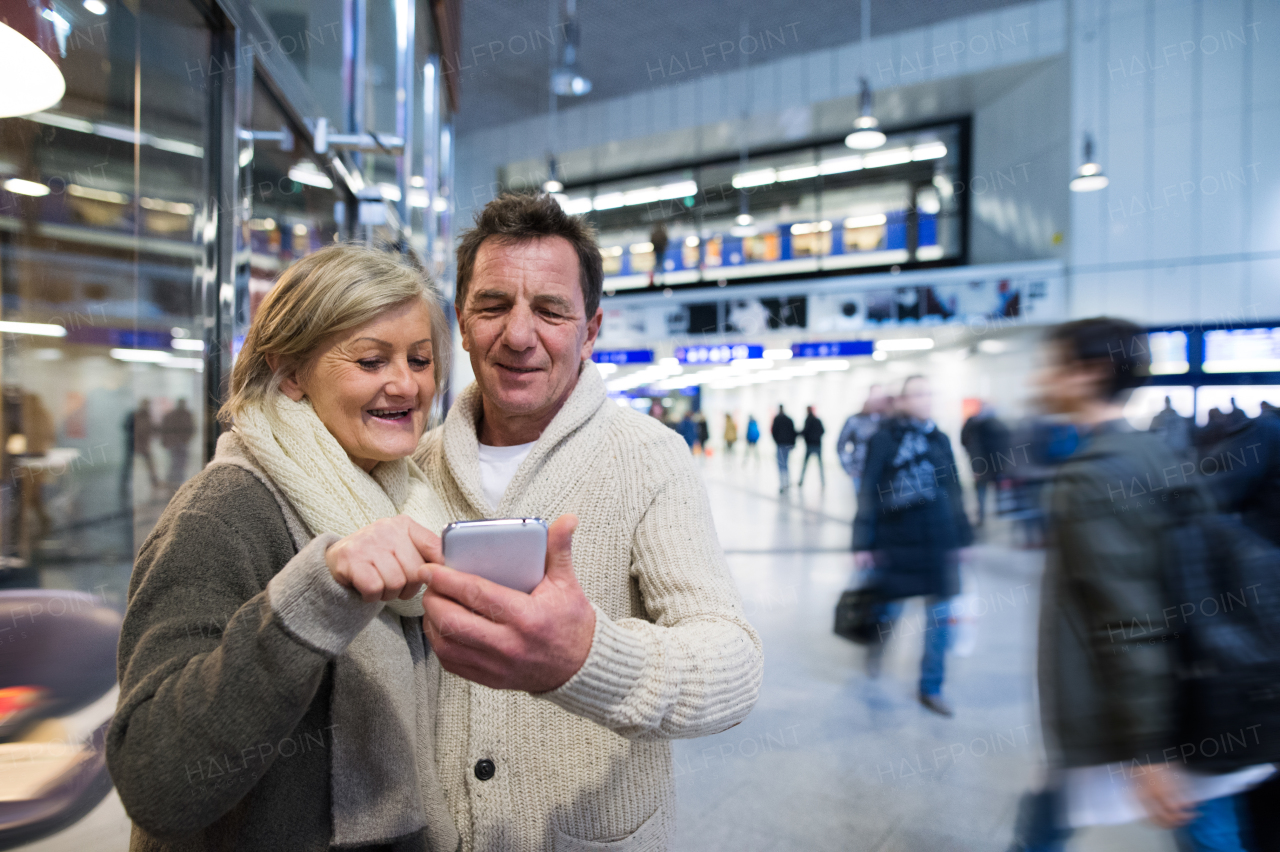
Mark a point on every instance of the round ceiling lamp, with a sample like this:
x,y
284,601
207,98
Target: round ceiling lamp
x,y
866,134
1089,177
28,59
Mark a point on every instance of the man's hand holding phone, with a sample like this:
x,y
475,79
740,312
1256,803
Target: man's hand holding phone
x,y
505,639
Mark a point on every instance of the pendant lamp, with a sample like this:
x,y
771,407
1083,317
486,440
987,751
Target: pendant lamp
x,y
28,58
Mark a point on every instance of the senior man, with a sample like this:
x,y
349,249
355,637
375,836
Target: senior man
x,y
556,708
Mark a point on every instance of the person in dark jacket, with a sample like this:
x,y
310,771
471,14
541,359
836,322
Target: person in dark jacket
x,y
812,434
177,428
1106,666
987,441
688,429
1243,474
909,528
1174,429
783,430
851,445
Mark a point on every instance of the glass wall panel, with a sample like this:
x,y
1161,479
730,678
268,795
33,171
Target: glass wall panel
x,y
310,33
293,204
98,251
102,227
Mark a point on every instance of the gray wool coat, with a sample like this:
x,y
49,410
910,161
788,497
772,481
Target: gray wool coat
x,y
223,739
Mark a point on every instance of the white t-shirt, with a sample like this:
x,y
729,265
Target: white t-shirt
x,y
497,466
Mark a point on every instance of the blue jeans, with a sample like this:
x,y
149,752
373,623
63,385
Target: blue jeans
x,y
1215,828
784,460
936,625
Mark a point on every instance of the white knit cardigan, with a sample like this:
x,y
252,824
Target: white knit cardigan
x,y
588,766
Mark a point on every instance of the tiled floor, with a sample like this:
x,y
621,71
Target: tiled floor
x,y
833,760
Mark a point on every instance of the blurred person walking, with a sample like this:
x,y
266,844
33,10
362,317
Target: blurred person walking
x,y
139,432
851,446
1106,669
730,433
1244,479
1174,429
688,430
177,428
783,430
812,433
984,438
910,530
753,438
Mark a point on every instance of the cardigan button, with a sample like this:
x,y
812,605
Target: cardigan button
x,y
485,769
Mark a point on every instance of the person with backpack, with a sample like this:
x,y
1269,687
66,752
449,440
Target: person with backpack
x,y
910,529
753,438
1109,690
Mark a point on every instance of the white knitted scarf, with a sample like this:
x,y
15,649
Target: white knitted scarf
x,y
382,742
308,464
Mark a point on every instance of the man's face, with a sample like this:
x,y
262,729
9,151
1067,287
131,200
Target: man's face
x,y
524,324
917,399
1063,384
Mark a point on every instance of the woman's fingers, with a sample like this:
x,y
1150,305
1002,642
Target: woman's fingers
x,y
426,542
366,579
410,562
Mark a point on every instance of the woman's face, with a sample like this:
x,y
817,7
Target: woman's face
x,y
372,386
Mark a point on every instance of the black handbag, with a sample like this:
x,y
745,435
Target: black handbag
x,y
857,616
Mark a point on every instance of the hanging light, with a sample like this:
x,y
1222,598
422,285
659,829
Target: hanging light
x,y
552,184
866,134
28,58
1089,177
566,81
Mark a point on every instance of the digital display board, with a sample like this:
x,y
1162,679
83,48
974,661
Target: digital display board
x,y
833,349
1168,353
722,354
1242,350
623,356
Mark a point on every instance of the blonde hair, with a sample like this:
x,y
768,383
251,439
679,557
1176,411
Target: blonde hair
x,y
335,289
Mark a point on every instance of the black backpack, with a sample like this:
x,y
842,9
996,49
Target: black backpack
x,y
1223,579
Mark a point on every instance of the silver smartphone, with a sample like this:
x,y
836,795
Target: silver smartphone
x,y
509,551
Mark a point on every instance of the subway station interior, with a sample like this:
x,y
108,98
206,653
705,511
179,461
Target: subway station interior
x,y
795,205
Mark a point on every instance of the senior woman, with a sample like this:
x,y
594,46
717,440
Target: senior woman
x,y
273,689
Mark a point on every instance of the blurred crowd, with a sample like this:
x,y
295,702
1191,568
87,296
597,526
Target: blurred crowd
x,y
1159,636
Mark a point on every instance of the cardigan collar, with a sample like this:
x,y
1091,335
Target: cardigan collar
x,y
461,440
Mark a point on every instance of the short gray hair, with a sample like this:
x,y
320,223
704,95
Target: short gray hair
x,y
335,289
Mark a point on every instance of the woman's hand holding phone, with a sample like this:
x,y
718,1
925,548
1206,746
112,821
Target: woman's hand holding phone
x,y
385,560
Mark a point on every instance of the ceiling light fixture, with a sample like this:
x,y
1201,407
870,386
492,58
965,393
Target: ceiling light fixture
x,y
307,173
1089,177
42,329
566,80
866,134
18,186
29,61
904,344
869,221
552,184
